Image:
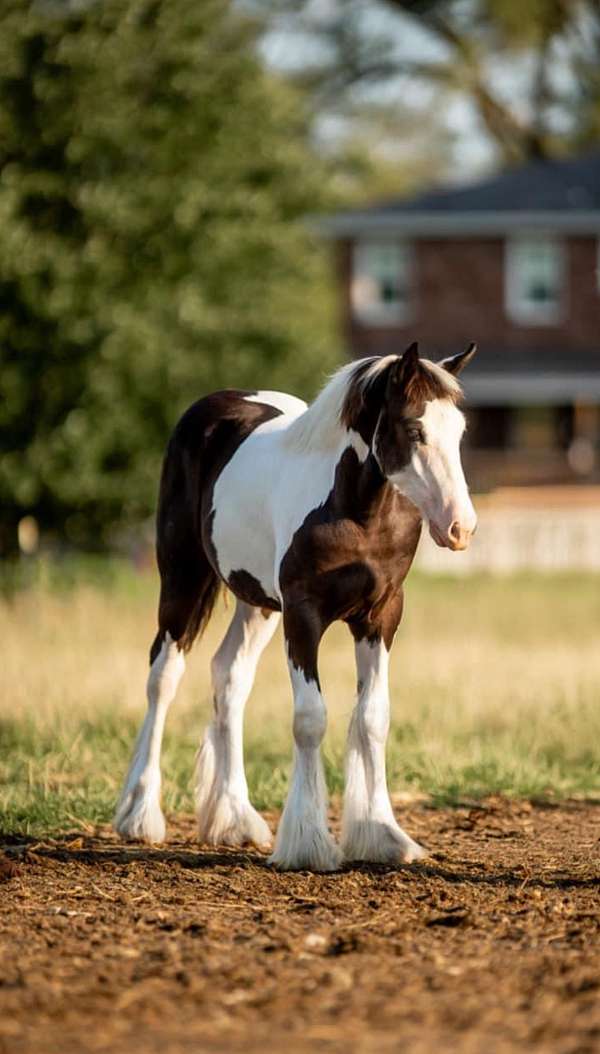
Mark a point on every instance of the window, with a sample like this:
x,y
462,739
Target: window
x,y
489,427
534,280
535,428
381,282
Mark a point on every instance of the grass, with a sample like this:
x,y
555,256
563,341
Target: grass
x,y
494,684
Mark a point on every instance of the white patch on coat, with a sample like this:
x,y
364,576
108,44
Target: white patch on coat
x,y
139,814
358,444
369,828
264,494
319,428
303,840
434,479
289,405
225,815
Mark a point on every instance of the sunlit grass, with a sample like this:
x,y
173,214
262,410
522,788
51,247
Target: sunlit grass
x,y
495,686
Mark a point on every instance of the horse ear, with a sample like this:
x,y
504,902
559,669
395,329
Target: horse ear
x,y
456,363
404,369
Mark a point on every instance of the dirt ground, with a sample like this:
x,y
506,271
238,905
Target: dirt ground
x,y
491,945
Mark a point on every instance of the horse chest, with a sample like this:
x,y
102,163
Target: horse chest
x,y
349,564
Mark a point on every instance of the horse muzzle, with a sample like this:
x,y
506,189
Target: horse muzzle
x,y
456,537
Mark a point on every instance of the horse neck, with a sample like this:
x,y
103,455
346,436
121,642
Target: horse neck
x,y
359,487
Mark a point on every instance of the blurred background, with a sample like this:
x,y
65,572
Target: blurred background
x,y
195,195
201,193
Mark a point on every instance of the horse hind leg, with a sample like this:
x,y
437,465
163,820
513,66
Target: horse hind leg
x,y
183,609
139,814
225,815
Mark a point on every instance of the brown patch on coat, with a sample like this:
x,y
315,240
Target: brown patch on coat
x,y
392,444
424,385
383,406
248,588
363,400
303,626
383,620
204,440
406,386
348,560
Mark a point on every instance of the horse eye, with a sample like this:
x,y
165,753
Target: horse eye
x,y
416,435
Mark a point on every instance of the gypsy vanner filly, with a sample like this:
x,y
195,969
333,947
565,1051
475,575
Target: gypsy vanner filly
x,y
315,512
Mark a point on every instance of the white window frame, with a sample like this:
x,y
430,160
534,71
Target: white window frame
x,y
519,309
381,313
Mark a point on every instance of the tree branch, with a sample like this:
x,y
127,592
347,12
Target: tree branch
x,y
517,140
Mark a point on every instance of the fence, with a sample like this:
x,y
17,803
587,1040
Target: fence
x,y
520,539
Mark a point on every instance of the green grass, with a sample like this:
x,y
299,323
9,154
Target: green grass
x,y
495,685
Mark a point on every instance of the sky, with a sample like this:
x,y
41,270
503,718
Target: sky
x,y
287,49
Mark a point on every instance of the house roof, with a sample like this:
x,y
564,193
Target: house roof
x,y
529,377
532,377
572,185
553,195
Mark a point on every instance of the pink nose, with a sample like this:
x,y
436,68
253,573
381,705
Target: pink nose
x,y
459,537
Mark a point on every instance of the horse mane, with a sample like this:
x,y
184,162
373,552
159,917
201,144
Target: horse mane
x,y
338,404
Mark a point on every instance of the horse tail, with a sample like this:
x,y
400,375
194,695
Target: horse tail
x,y
190,584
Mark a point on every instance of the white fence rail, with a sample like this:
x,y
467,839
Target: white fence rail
x,y
520,539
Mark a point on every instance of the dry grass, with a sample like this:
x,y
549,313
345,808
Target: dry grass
x,y
494,685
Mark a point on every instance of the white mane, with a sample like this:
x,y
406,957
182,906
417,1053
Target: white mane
x,y
320,426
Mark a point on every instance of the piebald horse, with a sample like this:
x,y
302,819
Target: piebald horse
x,y
315,512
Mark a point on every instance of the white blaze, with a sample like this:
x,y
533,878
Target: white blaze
x,y
434,479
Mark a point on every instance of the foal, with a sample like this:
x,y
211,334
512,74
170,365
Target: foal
x,y
315,512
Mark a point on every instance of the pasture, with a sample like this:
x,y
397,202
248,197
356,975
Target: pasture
x,y
491,943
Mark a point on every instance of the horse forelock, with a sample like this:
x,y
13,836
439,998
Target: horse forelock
x,y
367,380
431,381
358,387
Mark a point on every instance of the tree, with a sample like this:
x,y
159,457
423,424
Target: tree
x,y
153,186
528,70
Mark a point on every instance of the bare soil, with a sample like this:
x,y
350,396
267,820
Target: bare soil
x,y
491,945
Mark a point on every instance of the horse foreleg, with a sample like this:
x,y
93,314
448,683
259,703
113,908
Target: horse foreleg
x,y
303,840
369,828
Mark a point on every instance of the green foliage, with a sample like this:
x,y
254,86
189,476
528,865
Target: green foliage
x,y
153,184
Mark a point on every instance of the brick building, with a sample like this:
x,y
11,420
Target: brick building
x,y
513,263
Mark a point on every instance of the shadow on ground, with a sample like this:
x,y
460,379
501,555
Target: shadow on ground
x,y
490,944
